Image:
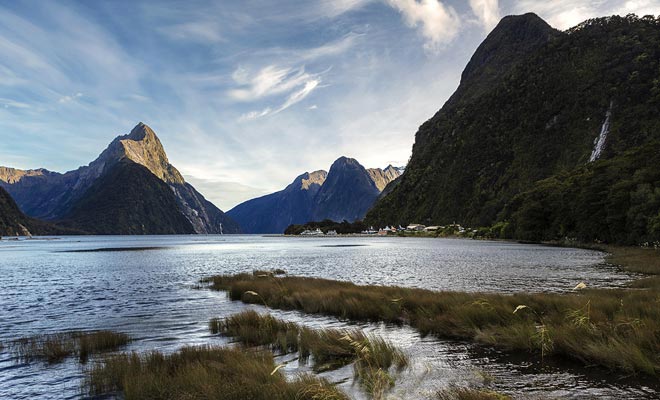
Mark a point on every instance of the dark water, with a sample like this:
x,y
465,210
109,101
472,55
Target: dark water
x,y
86,283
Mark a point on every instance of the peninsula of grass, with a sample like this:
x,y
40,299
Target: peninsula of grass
x,y
54,348
202,372
372,356
615,328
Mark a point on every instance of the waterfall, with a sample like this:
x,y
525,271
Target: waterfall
x,y
599,142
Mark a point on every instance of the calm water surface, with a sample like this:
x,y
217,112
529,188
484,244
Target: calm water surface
x,y
86,283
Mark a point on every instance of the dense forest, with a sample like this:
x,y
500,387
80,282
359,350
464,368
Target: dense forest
x,y
513,144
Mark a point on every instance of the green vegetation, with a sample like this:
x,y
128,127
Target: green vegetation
x,y
54,348
513,143
329,348
326,225
617,329
615,200
203,373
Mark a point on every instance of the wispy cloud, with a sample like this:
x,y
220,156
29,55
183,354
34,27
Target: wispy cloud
x,y
9,103
294,84
437,22
292,99
268,81
487,12
197,31
69,99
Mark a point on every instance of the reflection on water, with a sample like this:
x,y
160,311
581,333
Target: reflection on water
x,y
86,283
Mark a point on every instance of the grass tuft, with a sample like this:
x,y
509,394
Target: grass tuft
x,y
54,348
202,372
328,348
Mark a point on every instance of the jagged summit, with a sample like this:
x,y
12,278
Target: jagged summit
x,y
140,131
312,180
142,146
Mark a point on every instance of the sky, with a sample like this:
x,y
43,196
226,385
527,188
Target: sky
x,y
245,95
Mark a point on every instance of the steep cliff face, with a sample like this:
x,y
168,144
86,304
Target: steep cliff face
x,y
128,200
52,196
12,220
532,103
383,177
348,192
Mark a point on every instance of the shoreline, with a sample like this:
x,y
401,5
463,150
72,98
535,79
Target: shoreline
x,y
611,328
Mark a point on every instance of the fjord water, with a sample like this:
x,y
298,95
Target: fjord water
x,y
145,286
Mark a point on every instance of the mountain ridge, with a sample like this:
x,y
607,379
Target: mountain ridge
x,y
298,202
51,196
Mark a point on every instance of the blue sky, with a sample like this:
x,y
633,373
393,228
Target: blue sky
x,y
245,95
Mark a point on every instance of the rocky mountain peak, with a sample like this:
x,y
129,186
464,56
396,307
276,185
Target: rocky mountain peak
x,y
140,132
382,177
142,146
344,162
313,179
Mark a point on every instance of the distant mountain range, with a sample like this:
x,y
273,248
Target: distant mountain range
x,y
550,135
131,188
346,192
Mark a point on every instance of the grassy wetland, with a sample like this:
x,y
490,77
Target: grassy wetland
x,y
56,347
203,372
618,329
373,358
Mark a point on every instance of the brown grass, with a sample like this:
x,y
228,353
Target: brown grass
x,y
54,348
458,393
202,373
329,349
617,329
635,259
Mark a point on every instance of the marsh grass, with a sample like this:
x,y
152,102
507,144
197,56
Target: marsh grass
x,y
615,328
202,372
461,393
329,349
635,259
54,348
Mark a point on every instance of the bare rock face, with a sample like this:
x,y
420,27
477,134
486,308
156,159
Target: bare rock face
x,y
51,196
382,177
313,180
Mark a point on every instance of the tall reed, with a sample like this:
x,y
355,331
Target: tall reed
x,y
54,348
202,372
372,356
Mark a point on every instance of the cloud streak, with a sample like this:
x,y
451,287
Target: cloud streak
x,y
438,23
